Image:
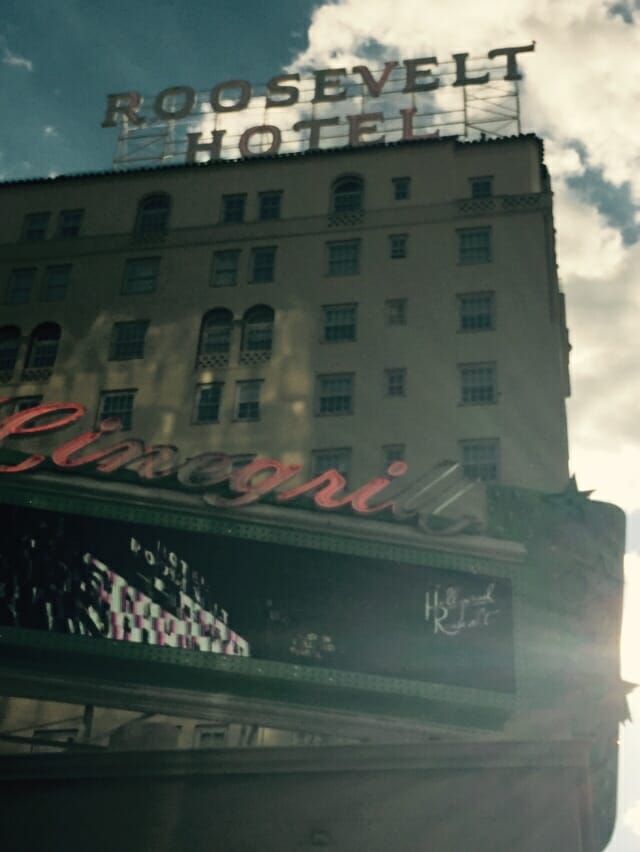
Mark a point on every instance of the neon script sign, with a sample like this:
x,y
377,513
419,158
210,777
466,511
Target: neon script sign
x,y
423,500
330,86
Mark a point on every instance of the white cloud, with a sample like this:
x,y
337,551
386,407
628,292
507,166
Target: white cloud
x,y
13,59
632,818
630,621
49,130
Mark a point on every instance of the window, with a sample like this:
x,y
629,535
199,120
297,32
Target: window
x,y
396,311
9,347
335,459
395,381
152,218
270,204
233,208
346,195
215,334
239,460
344,257
69,223
43,347
339,323
127,340
20,286
225,268
401,188
478,384
474,245
476,311
117,404
141,275
392,453
480,459
22,403
208,399
258,329
56,282
335,394
35,226
481,187
263,262
398,246
247,400
210,736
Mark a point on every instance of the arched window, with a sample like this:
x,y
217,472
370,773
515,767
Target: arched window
x,y
215,337
346,194
9,346
257,331
153,215
43,347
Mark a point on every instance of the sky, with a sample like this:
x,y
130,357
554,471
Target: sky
x,y
580,93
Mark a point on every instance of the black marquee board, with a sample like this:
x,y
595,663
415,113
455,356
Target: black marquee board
x,y
298,605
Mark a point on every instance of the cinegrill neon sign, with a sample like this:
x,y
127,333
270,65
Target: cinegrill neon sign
x,y
420,501
330,86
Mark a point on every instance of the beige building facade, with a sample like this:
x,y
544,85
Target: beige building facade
x,y
335,309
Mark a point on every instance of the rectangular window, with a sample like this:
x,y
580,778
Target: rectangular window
x,y
127,340
247,400
477,384
270,204
337,459
398,246
117,404
392,453
401,188
208,399
263,264
35,226
335,394
395,381
22,403
344,257
233,208
396,311
210,736
481,187
339,323
476,311
225,268
56,282
141,275
69,223
20,286
474,245
480,459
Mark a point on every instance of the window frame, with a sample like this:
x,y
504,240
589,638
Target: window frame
x,y
473,255
326,326
269,195
196,419
60,231
331,262
479,180
316,454
354,198
323,377
127,425
468,389
255,253
468,443
238,402
46,291
398,246
116,344
476,294
227,200
149,230
397,182
389,374
386,460
15,339
26,229
36,347
128,264
9,300
233,282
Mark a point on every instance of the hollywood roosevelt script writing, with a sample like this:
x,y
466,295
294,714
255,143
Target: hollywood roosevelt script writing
x,y
449,611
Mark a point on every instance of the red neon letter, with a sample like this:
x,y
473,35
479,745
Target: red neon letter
x,y
241,481
15,424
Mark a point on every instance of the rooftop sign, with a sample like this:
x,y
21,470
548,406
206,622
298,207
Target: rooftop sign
x,y
403,100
